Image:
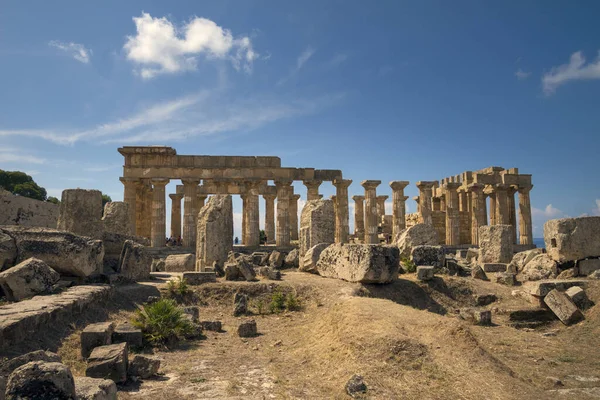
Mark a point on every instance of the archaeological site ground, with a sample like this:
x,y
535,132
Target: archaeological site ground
x,y
454,301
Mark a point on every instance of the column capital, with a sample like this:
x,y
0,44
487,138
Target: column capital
x,y
426,184
399,185
176,196
193,182
405,198
283,183
296,197
476,187
512,189
126,180
416,198
312,183
159,181
370,184
452,186
525,189
269,196
382,197
358,198
342,183
501,187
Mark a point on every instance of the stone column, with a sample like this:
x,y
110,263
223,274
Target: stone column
x,y
512,211
148,215
294,216
502,217
190,213
462,200
142,213
341,216
436,204
270,217
477,211
283,212
491,192
425,192
443,204
159,210
252,214
371,211
244,219
176,214
381,207
359,217
130,197
418,201
525,225
200,200
312,187
452,214
398,206
333,198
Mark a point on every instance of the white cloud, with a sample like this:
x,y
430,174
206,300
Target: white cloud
x,y
522,75
300,61
159,47
596,210
75,50
7,157
337,59
548,212
576,69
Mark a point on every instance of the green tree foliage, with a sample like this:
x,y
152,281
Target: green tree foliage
x,y
105,199
20,183
53,200
263,237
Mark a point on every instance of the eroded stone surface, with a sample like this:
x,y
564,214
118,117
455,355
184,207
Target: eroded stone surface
x,y
428,255
135,261
563,307
570,239
8,251
95,389
310,259
317,225
539,267
116,218
247,329
416,235
214,232
27,279
108,362
180,263
81,212
144,366
495,244
41,380
94,335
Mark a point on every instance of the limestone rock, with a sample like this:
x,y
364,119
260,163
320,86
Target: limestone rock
x,y
108,362
158,265
113,247
563,307
80,212
292,259
542,288
521,259
214,326
276,259
232,273
95,335
193,311
360,263
95,389
356,387
425,273
24,211
246,269
7,367
198,278
570,239
579,297
8,251
240,304
116,218
416,235
478,273
494,267
144,366
247,329
269,273
495,244
472,255
258,258
66,253
540,267
568,273
586,267
428,255
180,263
317,225
41,380
484,299
129,334
479,317
135,261
310,259
214,232
27,279
506,278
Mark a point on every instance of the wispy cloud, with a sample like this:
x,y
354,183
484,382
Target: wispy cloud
x,y
522,75
19,158
75,50
300,61
548,212
575,70
160,47
337,59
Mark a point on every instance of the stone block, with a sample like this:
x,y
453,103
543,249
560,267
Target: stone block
x,y
41,380
276,259
214,232
521,259
494,267
135,261
542,288
198,278
311,257
80,212
538,314
425,273
416,235
95,335
247,329
495,244
579,297
193,311
246,269
506,278
143,366
214,326
109,362
95,388
8,251
240,304
317,225
570,239
539,267
476,316
232,273
127,333
563,307
7,367
269,273
27,279
478,273
428,255
180,262
116,218
360,263
484,299
586,267
292,260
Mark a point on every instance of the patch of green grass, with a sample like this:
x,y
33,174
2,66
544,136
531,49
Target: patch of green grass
x,y
291,302
277,303
566,358
198,380
178,289
409,265
162,322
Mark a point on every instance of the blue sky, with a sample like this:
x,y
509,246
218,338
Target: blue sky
x,y
388,90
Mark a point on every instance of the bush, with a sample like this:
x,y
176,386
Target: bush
x,y
163,322
277,302
178,289
409,265
291,302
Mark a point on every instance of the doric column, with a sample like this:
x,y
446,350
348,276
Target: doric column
x,y
436,204
252,213
148,215
294,216
244,219
270,217
490,191
359,217
200,200
159,210
502,217
418,201
371,211
341,215
190,213
525,225
176,214
381,207
398,206
129,197
512,211
443,204
333,198
452,214
312,187
283,212
477,211
142,213
425,192
462,200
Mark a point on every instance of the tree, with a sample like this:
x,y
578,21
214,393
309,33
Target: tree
x,y
31,190
53,200
8,179
263,237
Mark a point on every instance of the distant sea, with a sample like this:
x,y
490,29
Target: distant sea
x,y
539,242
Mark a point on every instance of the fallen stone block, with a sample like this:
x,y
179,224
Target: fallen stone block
x,y
232,273
537,314
539,267
246,269
428,255
425,273
27,279
478,273
317,225
563,307
494,267
144,366
416,235
135,261
579,297
8,251
586,267
116,218
269,273
240,304
478,317
95,388
542,288
247,329
127,333
569,273
198,278
276,259
41,380
180,263
113,247
214,232
108,362
80,212
214,326
570,239
505,278
521,259
495,244
7,367
310,259
292,260
360,263
484,299
95,335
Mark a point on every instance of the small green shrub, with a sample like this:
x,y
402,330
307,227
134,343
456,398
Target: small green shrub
x,y
277,302
178,289
408,264
291,302
260,307
162,322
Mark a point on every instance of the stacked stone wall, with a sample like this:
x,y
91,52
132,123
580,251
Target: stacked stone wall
x,y
439,223
465,227
19,210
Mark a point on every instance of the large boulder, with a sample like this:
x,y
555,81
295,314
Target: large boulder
x,y
563,307
81,212
570,239
311,257
214,232
95,388
116,218
428,255
113,246
27,279
64,252
360,263
495,244
292,259
317,225
41,380
416,235
276,259
108,362
144,366
180,263
8,251
135,261
540,267
521,259
7,367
